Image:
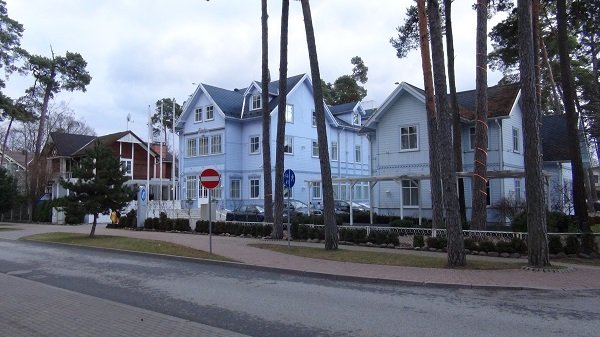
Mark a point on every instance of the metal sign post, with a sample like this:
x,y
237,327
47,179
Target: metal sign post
x,y
289,179
210,179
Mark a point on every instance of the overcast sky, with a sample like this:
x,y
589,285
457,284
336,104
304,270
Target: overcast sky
x,y
139,51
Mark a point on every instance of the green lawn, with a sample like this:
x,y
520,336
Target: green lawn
x,y
6,229
596,228
384,258
125,243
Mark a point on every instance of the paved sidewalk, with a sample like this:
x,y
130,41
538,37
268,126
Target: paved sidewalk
x,y
581,277
29,308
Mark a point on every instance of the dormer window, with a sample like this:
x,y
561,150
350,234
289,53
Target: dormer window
x,y
256,102
355,118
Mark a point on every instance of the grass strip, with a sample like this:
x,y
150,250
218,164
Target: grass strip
x,y
6,229
125,243
383,258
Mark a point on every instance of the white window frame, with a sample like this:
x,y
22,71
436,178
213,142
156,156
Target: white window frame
x,y
517,189
192,147
409,134
290,140
256,102
254,144
410,186
203,145
314,119
216,144
314,147
198,115
254,188
357,154
235,189
127,167
289,113
516,140
210,112
335,151
315,189
191,188
472,139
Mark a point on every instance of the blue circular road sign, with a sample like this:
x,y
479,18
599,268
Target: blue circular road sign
x,y
289,178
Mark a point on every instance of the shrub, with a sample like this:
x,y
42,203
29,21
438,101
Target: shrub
x,y
436,242
149,223
519,223
392,238
471,244
519,245
555,245
558,222
572,245
504,247
403,223
418,241
487,246
588,245
201,226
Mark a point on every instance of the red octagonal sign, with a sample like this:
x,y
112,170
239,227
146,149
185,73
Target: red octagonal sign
x,y
210,178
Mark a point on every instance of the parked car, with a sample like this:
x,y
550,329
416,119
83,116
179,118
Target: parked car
x,y
298,207
250,213
342,206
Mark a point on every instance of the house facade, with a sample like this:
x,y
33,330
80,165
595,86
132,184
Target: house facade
x,y
400,150
65,150
222,129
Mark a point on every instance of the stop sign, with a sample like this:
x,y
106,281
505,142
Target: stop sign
x,y
210,178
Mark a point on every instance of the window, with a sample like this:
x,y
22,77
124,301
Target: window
x,y
126,167
472,138
210,113
316,189
289,113
288,145
216,146
235,190
203,148
516,140
256,102
254,188
315,149
203,191
314,119
334,151
198,115
355,118
254,144
288,192
192,150
191,187
488,197
217,193
518,189
408,138
357,155
410,193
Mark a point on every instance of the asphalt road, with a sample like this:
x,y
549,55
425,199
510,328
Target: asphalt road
x,y
262,303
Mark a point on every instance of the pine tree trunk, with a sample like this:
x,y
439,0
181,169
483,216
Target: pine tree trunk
x,y
456,252
432,120
93,231
579,199
456,127
279,155
534,184
331,234
479,195
266,117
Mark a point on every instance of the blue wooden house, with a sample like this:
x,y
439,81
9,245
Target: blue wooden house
x,y
222,129
400,149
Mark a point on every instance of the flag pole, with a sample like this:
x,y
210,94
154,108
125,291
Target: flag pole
x,y
173,155
162,124
148,160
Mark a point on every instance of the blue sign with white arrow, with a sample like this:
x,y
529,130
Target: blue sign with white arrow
x,y
289,178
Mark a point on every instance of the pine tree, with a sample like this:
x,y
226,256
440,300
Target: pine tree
x,y
99,185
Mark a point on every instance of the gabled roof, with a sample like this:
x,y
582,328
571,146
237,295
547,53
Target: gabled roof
x,y
343,108
555,144
17,157
66,144
501,100
231,102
